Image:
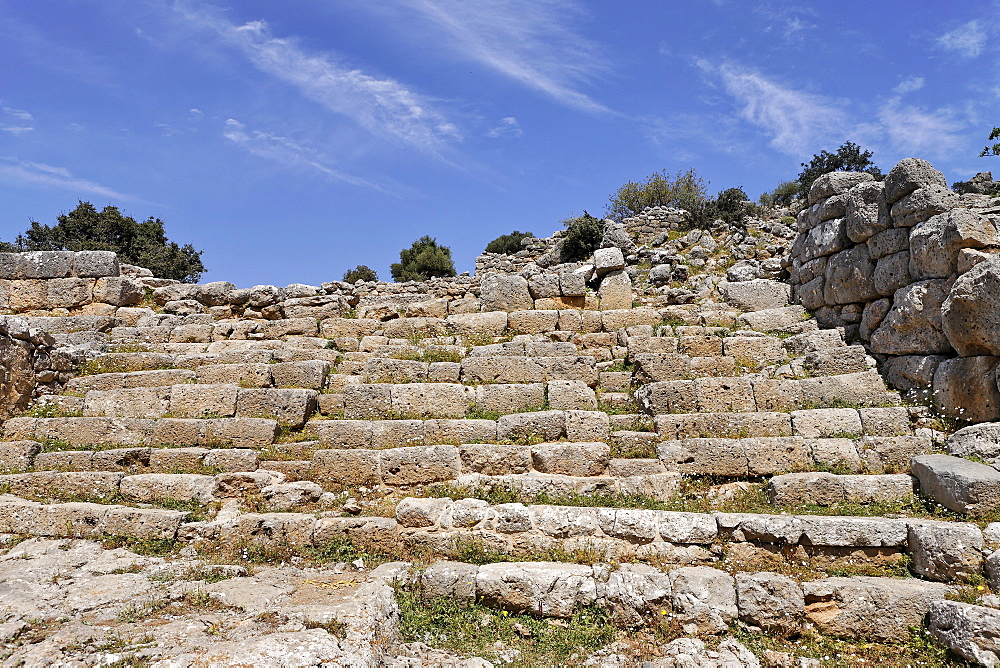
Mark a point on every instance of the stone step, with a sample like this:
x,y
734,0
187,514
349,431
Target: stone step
x,y
811,423
827,489
132,432
755,394
743,457
290,407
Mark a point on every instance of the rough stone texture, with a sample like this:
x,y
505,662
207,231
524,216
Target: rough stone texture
x,y
835,183
935,243
913,326
850,277
866,212
882,609
945,551
757,294
773,603
971,631
966,387
503,292
979,440
616,291
704,599
958,484
908,175
970,316
543,588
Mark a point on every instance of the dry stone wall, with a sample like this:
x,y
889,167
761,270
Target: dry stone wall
x,y
906,265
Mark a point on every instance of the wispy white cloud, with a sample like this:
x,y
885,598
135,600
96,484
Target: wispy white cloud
x,y
286,152
36,173
15,121
382,106
530,41
967,40
508,127
796,121
927,133
908,85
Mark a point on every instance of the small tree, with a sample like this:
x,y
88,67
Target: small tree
x,y
508,244
685,190
362,272
782,195
583,236
995,148
848,158
424,259
144,244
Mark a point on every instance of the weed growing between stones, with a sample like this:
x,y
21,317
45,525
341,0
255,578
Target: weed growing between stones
x,y
500,636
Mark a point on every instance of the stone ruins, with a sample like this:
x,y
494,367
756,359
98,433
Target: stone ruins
x,y
765,445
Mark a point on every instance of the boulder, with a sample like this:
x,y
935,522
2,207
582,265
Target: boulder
x,y
908,175
936,242
703,598
945,551
971,631
970,315
966,387
835,183
615,291
608,259
913,325
866,213
850,277
771,602
541,588
981,441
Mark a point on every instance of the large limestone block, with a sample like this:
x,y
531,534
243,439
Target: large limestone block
x,y
914,326
548,425
758,294
703,598
971,631
118,291
771,602
970,315
835,183
945,551
607,260
908,175
865,212
935,243
288,406
850,277
568,395
892,272
883,609
419,465
509,398
147,487
923,203
980,441
958,484
542,588
575,459
615,291
95,264
966,387
140,402
47,264
439,400
825,239
347,467
505,292
197,401
486,325
890,241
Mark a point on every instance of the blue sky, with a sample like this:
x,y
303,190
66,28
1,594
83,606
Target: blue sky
x,y
294,140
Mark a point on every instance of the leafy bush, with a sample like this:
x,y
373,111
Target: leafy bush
x,y
782,195
583,236
508,244
684,190
362,272
144,244
848,158
424,259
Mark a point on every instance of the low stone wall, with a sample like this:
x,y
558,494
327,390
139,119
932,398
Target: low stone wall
x,y
29,365
905,265
87,281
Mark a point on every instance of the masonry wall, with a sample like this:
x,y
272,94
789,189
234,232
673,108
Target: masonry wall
x,y
891,262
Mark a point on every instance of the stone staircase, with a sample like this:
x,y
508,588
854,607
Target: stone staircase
x,y
734,487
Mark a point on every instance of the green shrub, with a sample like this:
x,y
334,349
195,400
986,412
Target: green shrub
x,y
583,235
782,195
144,244
508,244
361,272
848,158
684,190
424,259
995,148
